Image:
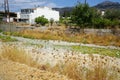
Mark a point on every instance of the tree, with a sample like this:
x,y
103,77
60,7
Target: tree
x,y
41,20
82,15
112,14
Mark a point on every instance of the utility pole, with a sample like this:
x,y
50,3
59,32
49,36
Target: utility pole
x,y
85,1
6,8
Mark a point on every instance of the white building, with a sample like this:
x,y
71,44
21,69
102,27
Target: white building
x,y
29,15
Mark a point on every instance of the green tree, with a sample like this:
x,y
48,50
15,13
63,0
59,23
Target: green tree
x,y
82,15
112,14
41,20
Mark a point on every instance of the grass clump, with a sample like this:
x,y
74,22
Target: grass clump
x,y
17,55
7,39
33,44
93,50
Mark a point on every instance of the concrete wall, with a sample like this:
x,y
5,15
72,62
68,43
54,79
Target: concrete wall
x,y
103,31
96,31
12,27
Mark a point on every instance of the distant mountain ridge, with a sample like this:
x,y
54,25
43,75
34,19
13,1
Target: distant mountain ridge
x,y
103,5
64,10
108,5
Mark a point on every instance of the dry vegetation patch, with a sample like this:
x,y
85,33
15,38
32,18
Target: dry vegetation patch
x,y
89,67
59,34
74,66
11,52
14,71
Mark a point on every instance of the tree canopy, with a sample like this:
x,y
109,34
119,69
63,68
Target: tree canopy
x,y
82,15
41,20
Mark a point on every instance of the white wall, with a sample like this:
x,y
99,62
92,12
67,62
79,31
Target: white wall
x,y
46,12
18,15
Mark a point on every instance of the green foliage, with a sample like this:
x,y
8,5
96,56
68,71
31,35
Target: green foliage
x,y
65,20
0,30
93,50
112,14
51,21
82,15
101,22
66,14
41,20
7,39
101,51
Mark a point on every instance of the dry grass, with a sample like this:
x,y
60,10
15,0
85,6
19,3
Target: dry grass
x,y
59,34
14,54
77,71
102,69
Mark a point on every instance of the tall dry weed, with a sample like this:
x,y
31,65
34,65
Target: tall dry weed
x,y
78,71
12,53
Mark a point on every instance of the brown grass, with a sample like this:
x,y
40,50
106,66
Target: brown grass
x,y
79,72
72,68
14,54
61,35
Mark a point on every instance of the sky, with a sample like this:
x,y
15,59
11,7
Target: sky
x,y
16,5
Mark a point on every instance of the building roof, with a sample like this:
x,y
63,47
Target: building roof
x,y
12,14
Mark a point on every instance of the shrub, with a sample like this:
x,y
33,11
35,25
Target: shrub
x,y
51,21
0,30
102,23
7,39
42,20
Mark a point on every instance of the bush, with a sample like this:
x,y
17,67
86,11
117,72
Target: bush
x,y
51,21
0,30
41,20
102,23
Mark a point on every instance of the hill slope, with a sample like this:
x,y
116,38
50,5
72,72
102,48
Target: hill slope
x,y
108,5
104,5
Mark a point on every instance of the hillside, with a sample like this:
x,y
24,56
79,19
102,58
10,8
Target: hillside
x,y
108,5
64,11
104,5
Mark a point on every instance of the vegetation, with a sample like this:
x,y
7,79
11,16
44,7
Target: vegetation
x,y
60,35
41,20
82,15
93,50
33,44
74,67
76,71
14,54
51,21
101,51
112,14
7,39
0,30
